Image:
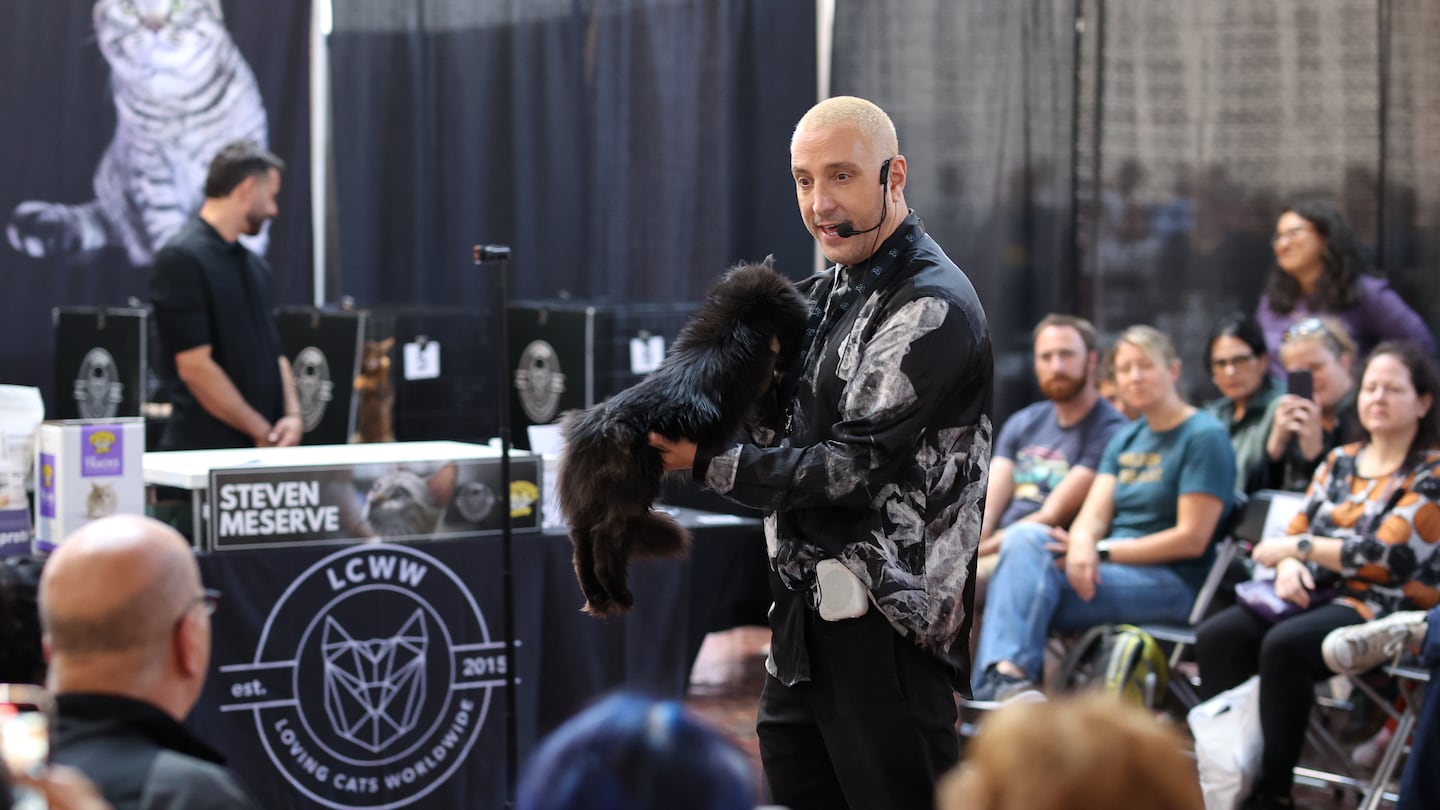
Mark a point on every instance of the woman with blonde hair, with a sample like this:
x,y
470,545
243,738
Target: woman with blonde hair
x,y
1301,429
1141,546
1090,752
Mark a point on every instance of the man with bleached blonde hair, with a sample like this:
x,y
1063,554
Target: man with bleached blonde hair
x,y
870,467
127,634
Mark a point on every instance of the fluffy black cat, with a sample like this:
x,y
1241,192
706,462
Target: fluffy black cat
x,y
705,391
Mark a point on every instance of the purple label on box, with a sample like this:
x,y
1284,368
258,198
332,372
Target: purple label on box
x,y
102,451
14,532
47,485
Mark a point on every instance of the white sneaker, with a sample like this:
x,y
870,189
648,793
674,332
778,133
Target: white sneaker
x,y
1362,647
1368,753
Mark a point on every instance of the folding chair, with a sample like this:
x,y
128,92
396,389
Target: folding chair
x,y
1412,681
1243,524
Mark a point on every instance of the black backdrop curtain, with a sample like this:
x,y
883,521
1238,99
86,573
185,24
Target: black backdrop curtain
x,y
626,150
58,120
1191,123
1204,119
981,94
1410,180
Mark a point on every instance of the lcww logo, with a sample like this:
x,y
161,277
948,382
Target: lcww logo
x,y
375,701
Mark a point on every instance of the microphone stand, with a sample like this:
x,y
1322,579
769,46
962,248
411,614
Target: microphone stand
x,y
500,254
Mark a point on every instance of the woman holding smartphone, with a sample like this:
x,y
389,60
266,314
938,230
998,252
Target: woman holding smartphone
x,y
1317,412
1370,523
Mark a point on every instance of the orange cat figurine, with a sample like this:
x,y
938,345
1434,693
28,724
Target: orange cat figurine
x,y
375,419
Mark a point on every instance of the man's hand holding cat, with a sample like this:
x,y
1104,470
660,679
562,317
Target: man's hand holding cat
x,y
287,431
677,454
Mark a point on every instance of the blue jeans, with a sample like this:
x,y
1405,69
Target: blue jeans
x,y
1420,783
1029,597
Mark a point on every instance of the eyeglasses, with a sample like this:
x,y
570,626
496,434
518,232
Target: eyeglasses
x,y
208,601
1239,361
1289,233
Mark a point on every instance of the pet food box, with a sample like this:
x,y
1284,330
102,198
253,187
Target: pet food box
x,y
86,469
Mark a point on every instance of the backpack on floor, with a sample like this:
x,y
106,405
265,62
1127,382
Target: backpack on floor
x,y
1120,659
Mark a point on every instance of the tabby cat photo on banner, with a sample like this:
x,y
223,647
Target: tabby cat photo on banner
x,y
114,109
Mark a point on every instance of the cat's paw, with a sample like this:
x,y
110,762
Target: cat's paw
x,y
598,606
39,229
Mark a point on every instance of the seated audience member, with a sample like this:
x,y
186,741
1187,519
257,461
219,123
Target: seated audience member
x,y
1299,431
127,629
1240,367
1140,547
21,657
1108,389
1371,516
1362,647
1319,271
1047,453
1085,752
633,753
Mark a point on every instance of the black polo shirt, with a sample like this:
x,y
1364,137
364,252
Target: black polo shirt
x,y
139,757
209,291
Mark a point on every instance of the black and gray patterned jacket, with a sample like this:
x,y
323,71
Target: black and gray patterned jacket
x,y
884,462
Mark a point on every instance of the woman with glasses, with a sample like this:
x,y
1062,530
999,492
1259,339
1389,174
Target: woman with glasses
x,y
1319,271
1141,546
1240,367
1300,430
1370,527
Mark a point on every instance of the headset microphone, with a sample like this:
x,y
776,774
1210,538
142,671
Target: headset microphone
x,y
845,230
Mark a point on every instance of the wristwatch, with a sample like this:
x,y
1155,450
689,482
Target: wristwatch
x,y
1103,549
1304,546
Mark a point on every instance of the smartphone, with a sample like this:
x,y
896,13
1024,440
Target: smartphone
x,y
27,724
1301,384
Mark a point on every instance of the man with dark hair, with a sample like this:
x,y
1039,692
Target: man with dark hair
x,y
871,467
221,359
1047,453
127,630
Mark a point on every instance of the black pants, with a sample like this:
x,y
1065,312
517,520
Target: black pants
x,y
1232,645
873,729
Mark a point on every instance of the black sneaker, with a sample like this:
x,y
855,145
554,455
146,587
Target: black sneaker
x,y
998,687
1258,801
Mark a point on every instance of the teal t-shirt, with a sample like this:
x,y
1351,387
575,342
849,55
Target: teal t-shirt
x,y
1152,470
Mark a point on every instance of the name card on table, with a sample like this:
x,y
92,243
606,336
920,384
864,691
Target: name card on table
x,y
315,505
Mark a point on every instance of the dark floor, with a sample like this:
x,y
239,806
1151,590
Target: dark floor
x,y
725,684
730,670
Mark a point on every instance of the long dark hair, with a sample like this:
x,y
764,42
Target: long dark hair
x,y
1426,379
1243,328
1338,287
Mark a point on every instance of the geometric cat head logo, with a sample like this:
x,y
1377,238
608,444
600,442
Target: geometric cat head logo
x,y
371,684
375,688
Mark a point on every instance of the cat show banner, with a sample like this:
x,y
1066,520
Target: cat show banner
x,y
274,507
113,110
368,677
